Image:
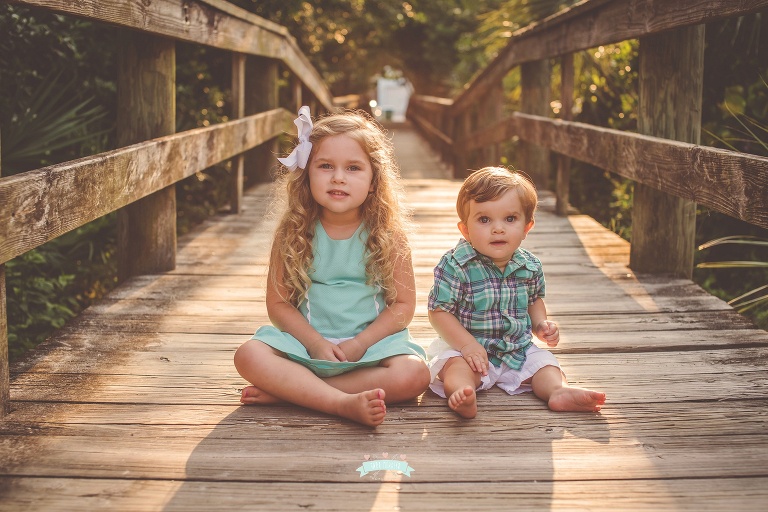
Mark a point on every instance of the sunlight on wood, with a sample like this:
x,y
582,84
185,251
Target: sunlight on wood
x,y
388,495
610,254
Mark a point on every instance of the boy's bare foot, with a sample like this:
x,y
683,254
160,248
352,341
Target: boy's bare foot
x,y
464,402
253,395
367,407
576,399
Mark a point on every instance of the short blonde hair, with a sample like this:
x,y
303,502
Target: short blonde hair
x,y
489,183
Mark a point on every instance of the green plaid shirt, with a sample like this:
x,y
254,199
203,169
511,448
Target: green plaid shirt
x,y
492,305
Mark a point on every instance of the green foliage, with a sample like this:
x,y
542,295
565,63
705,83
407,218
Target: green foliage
x,y
49,285
350,41
202,100
498,22
731,276
50,120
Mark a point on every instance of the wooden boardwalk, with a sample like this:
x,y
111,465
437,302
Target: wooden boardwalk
x,y
135,405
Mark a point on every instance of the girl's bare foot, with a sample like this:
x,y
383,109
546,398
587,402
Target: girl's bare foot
x,y
576,399
253,395
367,407
464,402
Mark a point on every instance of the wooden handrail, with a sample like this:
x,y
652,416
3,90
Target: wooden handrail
x,y
45,203
732,183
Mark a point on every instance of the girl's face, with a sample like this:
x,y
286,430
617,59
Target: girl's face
x,y
340,177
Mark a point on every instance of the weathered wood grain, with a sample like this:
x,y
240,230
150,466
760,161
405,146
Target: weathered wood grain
x,y
642,494
146,109
671,78
732,183
37,206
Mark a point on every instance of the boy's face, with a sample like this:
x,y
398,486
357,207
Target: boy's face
x,y
496,228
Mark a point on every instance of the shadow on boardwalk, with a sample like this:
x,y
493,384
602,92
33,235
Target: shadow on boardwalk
x,y
135,406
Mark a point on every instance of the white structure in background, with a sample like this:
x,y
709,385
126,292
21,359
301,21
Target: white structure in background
x,y
392,97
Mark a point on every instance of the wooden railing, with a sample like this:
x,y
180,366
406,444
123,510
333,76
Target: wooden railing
x,y
672,171
137,179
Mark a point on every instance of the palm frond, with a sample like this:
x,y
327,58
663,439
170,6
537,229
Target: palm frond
x,y
735,239
51,119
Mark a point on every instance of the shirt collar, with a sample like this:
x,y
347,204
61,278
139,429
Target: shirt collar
x,y
463,253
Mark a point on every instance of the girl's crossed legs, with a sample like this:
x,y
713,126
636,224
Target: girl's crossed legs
x,y
358,395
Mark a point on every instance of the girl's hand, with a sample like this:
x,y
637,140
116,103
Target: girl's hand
x,y
476,357
326,351
548,332
352,349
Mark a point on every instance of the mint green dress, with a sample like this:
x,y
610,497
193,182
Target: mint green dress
x,y
339,305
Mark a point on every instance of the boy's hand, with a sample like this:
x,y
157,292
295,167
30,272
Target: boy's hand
x,y
476,357
352,349
548,332
326,351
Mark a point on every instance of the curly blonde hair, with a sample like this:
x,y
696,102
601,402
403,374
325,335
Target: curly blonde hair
x,y
383,214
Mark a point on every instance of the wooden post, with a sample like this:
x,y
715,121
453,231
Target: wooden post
x,y
536,82
146,109
296,88
447,126
562,185
461,158
493,110
238,111
671,78
5,374
261,95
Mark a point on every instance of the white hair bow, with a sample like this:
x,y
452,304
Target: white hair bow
x,y
300,154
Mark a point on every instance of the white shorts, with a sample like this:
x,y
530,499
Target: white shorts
x,y
511,381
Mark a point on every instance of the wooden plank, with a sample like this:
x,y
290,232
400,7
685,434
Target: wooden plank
x,y
732,183
202,23
632,377
54,494
548,456
191,354
628,421
239,12
37,206
607,322
594,23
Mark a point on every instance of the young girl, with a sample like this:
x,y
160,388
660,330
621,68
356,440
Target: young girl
x,y
341,290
